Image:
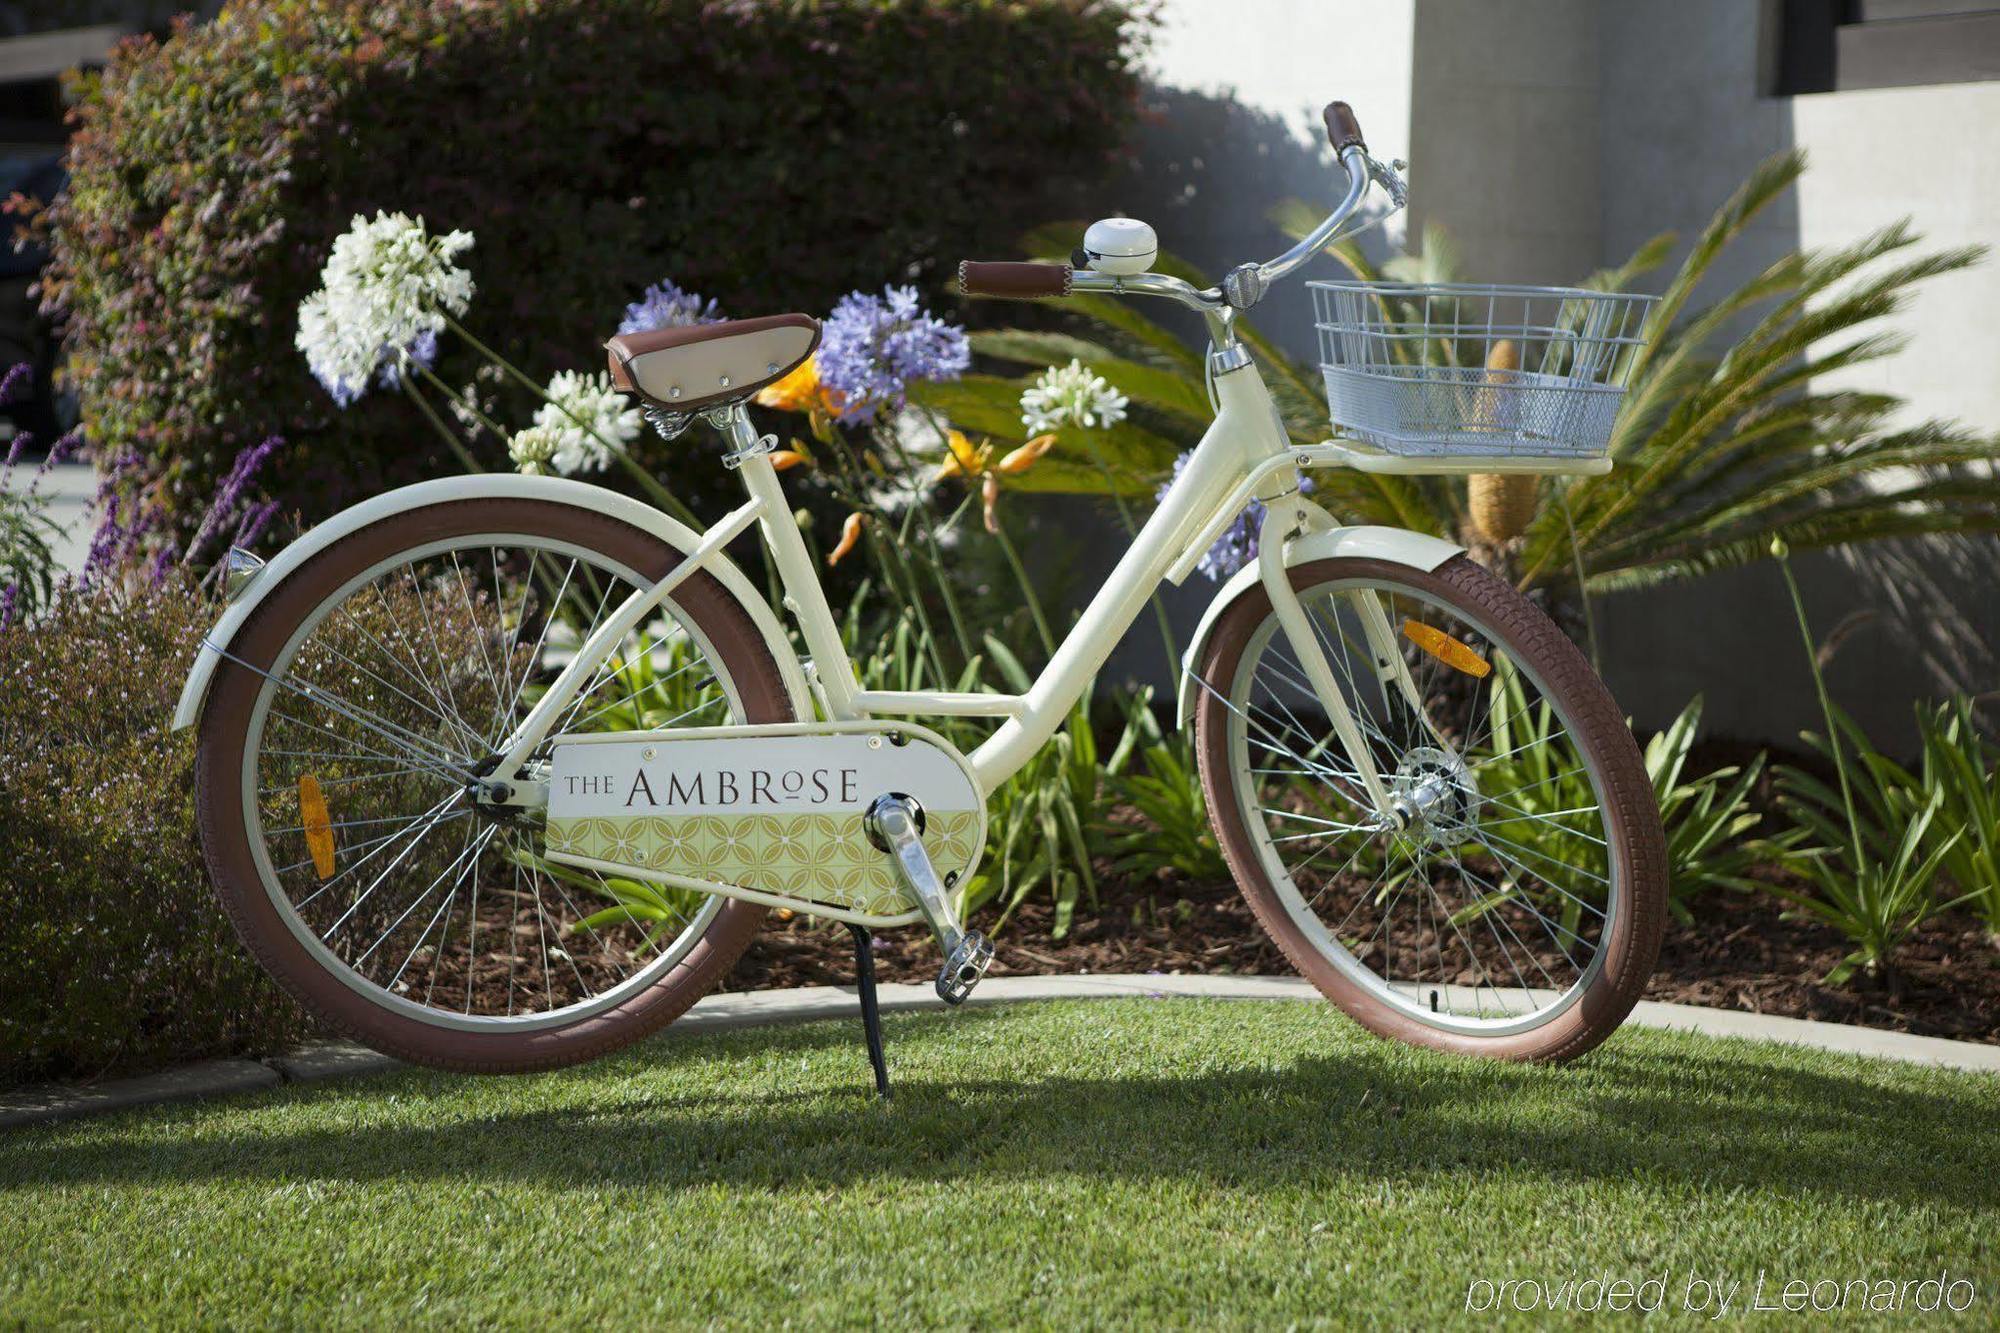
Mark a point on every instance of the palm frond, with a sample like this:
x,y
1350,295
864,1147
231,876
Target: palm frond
x,y
1723,449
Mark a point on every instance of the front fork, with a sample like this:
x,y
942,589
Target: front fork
x,y
1285,517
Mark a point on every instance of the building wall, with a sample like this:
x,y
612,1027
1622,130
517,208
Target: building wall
x,y
1504,134
1289,58
1232,128
1685,115
1553,137
1235,125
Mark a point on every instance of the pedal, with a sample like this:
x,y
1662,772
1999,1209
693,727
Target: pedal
x,y
963,967
894,823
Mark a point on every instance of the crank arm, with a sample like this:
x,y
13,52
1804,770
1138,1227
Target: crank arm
x,y
892,825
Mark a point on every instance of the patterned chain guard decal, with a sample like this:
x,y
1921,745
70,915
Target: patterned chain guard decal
x,y
781,814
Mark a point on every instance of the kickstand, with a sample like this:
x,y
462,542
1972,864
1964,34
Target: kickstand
x,y
871,1014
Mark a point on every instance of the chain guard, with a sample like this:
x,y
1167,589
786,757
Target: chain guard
x,y
773,813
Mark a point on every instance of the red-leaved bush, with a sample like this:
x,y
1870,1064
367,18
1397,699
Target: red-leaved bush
x,y
116,954
769,153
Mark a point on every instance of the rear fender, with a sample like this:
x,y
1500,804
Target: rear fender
x,y
495,485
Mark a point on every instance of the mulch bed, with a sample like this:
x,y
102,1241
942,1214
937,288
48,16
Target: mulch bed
x,y
1740,953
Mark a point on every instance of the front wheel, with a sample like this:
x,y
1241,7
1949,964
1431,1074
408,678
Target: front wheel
x,y
1517,912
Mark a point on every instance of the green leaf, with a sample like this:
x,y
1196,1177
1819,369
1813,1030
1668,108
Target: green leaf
x,y
1164,390
1135,459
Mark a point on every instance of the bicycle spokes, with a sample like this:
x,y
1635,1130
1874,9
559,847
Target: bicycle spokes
x,y
365,781
1483,901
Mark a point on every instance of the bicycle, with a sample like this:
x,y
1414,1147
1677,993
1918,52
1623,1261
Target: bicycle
x,y
502,772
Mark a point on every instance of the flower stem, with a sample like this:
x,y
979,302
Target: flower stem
x,y
1027,588
1825,707
486,422
921,503
888,557
457,445
659,494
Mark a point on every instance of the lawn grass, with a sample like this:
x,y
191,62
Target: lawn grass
x,y
1097,1163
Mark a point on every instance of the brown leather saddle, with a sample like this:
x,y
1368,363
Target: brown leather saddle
x,y
706,365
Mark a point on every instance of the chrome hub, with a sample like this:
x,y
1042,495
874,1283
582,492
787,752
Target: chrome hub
x,y
1434,798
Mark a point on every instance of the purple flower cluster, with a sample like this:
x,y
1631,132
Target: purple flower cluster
x,y
120,523
250,520
58,453
423,352
665,306
124,521
1237,546
12,380
874,347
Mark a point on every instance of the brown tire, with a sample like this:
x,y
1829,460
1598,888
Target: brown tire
x,y
1626,941
734,643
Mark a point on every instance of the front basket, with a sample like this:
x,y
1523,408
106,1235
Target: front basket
x,y
1463,370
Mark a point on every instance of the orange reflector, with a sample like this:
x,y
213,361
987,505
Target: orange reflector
x,y
1445,648
318,828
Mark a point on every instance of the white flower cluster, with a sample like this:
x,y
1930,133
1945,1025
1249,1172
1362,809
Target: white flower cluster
x,y
383,297
579,429
534,450
1070,395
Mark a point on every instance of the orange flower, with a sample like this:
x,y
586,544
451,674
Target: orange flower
x,y
850,533
965,459
989,494
1020,460
782,459
800,391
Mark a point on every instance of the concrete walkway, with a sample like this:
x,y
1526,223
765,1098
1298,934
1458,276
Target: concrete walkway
x,y
70,488
731,1010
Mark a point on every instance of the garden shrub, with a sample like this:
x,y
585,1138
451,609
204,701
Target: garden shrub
x,y
115,952
769,153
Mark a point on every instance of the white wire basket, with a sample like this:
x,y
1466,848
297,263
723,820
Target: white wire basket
x,y
1469,370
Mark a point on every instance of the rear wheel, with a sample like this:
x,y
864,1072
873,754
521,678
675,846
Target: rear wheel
x,y
359,702
1518,913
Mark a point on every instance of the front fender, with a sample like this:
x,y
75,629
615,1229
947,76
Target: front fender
x,y
492,485
1395,544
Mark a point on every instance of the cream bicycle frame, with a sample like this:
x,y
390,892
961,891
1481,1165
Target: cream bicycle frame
x,y
1244,455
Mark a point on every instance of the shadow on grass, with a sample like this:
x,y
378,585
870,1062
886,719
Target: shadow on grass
x,y
1663,1110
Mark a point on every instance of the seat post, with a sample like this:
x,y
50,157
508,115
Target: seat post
x,y
804,598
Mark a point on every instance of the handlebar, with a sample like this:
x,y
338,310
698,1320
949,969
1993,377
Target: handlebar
x,y
1343,131
1014,282
1031,281
1355,158
1245,284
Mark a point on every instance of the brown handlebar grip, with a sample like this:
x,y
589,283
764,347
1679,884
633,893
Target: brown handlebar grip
x,y
1014,282
1342,129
